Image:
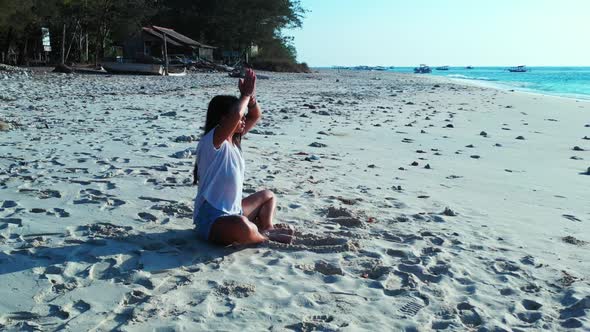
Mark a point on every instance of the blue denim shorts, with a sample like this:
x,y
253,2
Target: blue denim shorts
x,y
205,219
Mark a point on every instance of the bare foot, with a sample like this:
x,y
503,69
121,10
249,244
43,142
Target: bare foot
x,y
278,237
284,228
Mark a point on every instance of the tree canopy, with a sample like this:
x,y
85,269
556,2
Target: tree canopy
x,y
97,24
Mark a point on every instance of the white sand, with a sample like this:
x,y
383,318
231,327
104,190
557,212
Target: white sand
x,y
95,214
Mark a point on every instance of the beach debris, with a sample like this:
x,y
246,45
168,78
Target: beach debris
x,y
171,113
372,166
318,145
571,217
310,106
261,132
450,125
449,212
4,126
323,133
475,156
427,166
61,68
483,133
186,153
577,148
333,212
567,279
236,289
147,216
498,145
470,146
576,158
415,163
313,157
347,221
572,240
327,268
323,113
586,138
9,204
520,137
349,201
186,138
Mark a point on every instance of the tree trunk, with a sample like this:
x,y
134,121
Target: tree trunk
x,y
86,58
8,41
63,46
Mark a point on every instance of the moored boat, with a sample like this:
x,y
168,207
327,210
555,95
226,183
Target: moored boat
x,y
422,69
442,68
120,67
518,69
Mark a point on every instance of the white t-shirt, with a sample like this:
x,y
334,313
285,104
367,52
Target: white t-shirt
x,y
221,175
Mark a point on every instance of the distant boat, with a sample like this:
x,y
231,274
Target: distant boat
x,y
362,68
469,67
518,69
442,68
380,68
423,69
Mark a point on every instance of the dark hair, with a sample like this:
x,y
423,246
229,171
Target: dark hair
x,y
219,106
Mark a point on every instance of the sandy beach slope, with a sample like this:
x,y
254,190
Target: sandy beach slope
x,y
419,203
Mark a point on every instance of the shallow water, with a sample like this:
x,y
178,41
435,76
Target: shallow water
x,y
562,81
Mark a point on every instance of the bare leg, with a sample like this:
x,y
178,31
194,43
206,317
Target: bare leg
x,y
260,208
239,230
235,230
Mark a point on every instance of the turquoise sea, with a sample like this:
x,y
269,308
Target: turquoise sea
x,y
562,81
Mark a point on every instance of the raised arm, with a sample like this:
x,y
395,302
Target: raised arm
x,y
231,121
253,116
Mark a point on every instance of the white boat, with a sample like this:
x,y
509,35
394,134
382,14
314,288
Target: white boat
x,y
133,68
174,72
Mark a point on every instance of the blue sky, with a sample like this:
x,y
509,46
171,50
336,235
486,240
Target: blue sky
x,y
444,32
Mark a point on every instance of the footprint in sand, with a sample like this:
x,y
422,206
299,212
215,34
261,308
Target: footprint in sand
x,y
468,315
93,196
42,194
316,243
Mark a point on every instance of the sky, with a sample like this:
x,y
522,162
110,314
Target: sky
x,y
444,32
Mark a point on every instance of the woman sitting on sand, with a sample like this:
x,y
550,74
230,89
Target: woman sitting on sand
x,y
220,214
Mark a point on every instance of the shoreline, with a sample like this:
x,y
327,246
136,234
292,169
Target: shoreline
x,y
494,84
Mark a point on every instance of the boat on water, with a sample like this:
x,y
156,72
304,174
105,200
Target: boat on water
x,y
442,68
422,69
469,67
518,69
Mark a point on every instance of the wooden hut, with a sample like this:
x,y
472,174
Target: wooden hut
x,y
149,44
